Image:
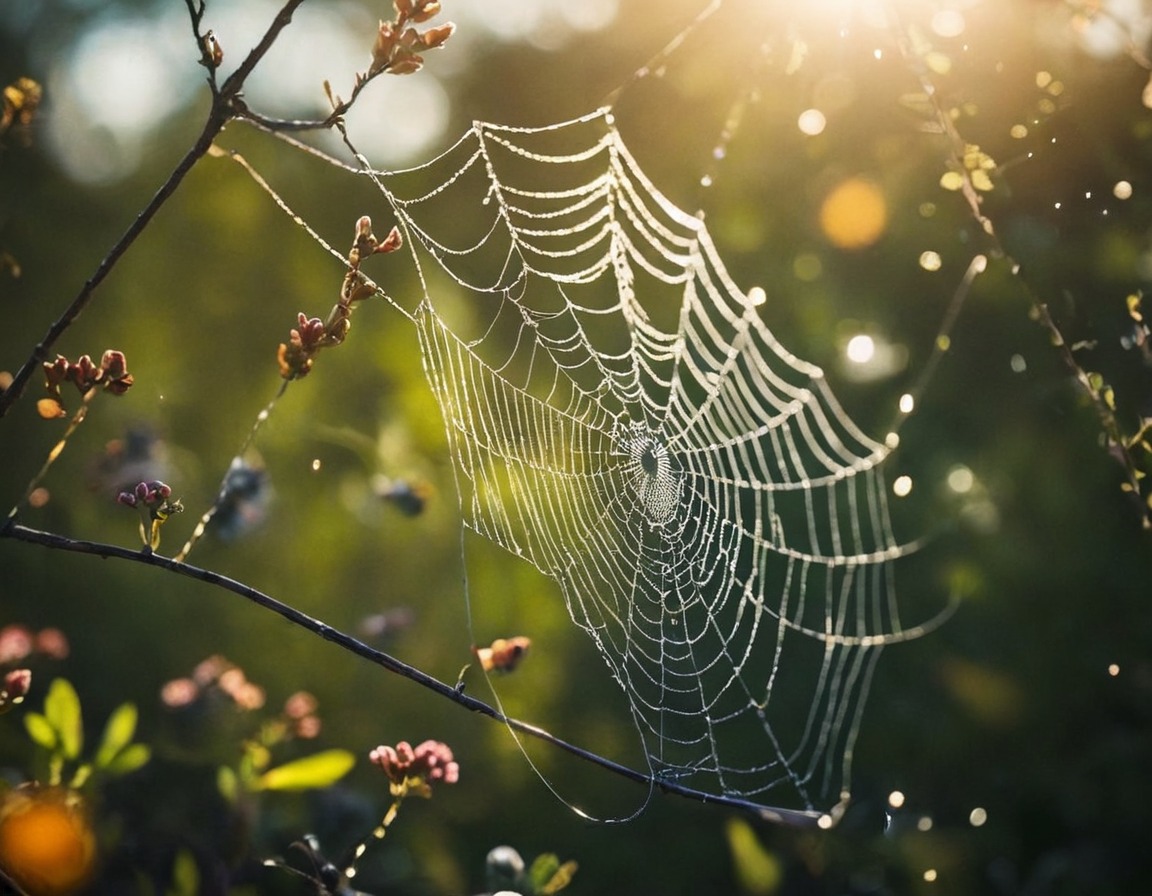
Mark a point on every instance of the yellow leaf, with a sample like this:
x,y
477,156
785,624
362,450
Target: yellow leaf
x,y
952,180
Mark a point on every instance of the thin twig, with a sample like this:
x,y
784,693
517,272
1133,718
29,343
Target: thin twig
x,y
454,693
218,116
1118,445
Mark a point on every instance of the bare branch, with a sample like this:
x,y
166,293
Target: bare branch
x,y
454,693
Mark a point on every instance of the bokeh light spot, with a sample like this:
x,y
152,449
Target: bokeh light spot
x,y
1122,190
930,260
902,486
854,215
961,479
811,122
46,843
860,349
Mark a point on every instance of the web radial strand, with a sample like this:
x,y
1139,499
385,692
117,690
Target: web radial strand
x,y
619,416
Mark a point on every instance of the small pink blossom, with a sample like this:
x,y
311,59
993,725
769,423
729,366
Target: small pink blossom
x,y
15,688
53,643
179,692
408,767
299,705
15,643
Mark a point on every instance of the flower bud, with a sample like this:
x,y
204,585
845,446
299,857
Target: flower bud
x,y
435,37
392,242
17,683
425,9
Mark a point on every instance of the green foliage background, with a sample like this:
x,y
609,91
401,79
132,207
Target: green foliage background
x,y
1009,707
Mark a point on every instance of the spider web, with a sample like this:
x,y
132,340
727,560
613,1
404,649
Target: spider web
x,y
619,416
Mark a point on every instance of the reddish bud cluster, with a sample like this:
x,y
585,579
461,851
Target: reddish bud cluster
x,y
214,675
397,47
300,714
15,688
413,769
112,374
154,502
147,493
311,334
18,642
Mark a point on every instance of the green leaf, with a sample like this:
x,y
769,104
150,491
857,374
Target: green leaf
x,y
118,732
40,730
548,876
62,709
227,783
129,759
185,875
317,770
758,870
543,867
559,880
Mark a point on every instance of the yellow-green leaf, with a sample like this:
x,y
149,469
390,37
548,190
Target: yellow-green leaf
x,y
40,730
185,875
318,770
118,733
227,783
757,869
560,879
62,709
129,759
952,180
543,867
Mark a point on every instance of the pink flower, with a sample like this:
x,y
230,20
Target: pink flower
x,y
15,688
179,692
408,767
15,643
53,643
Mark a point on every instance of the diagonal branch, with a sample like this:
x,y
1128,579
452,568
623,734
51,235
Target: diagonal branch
x,y
223,109
454,693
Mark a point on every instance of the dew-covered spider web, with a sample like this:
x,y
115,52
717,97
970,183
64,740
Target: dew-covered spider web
x,y
619,416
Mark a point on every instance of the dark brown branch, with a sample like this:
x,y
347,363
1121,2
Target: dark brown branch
x,y
455,693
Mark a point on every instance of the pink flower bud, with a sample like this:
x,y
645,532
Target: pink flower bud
x,y
15,688
392,242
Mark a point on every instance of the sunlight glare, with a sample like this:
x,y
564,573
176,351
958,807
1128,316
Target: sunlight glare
x,y
948,23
